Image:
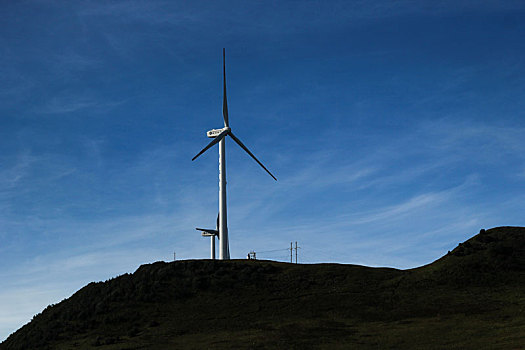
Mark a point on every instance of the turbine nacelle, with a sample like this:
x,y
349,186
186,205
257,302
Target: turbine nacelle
x,y
208,233
219,134
213,133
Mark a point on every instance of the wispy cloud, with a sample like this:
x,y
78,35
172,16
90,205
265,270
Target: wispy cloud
x,y
69,103
16,85
152,12
10,176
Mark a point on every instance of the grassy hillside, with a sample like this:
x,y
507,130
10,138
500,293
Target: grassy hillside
x,y
471,298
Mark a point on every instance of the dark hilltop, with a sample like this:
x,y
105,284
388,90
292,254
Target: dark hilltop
x,y
471,298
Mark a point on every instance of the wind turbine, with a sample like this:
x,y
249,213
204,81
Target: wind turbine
x,y
206,232
219,136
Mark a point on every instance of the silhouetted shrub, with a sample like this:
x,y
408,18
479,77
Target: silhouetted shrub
x,y
133,332
111,340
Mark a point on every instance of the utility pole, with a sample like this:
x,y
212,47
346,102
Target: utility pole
x,y
296,248
174,256
291,253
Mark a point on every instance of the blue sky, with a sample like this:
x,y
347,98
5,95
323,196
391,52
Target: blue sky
x,y
395,129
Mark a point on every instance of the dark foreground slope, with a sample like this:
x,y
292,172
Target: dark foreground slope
x,y
473,297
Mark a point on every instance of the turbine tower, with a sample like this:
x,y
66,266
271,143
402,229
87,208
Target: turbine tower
x,y
219,136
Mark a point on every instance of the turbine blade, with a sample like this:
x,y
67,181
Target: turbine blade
x,y
250,153
213,142
224,101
